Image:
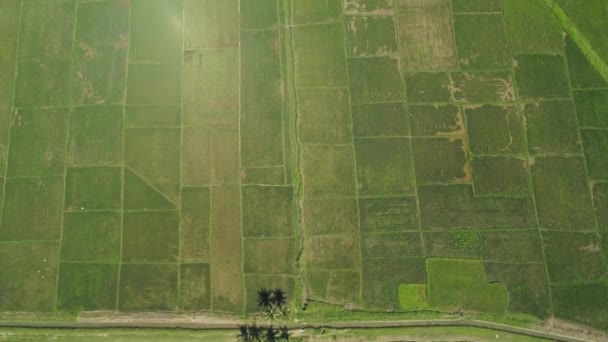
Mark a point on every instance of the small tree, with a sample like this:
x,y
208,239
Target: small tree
x,y
265,299
244,334
284,333
270,334
255,333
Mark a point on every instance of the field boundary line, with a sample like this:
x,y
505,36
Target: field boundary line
x,y
233,325
579,39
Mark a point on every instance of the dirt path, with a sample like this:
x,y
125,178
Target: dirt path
x,y
227,325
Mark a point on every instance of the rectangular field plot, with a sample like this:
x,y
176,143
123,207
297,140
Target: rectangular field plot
x,y
441,160
495,130
330,216
32,209
91,236
427,87
315,11
384,167
93,188
512,246
531,27
600,198
454,206
382,277
380,120
226,286
328,171
582,73
225,224
500,176
195,287
261,99
150,236
591,106
334,286
482,87
425,31
476,6
324,116
269,256
585,303
211,24
481,41
574,257
87,286
391,245
320,56
563,179
388,214
149,287
552,127
375,7
434,120
267,211
371,36
256,282
332,252
95,136
595,143
462,284
375,79
37,142
196,156
28,282
453,244
526,286
541,76
195,225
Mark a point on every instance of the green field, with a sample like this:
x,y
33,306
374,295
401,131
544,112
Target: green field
x,y
397,156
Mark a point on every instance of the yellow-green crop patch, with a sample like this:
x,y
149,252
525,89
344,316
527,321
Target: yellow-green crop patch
x,y
334,286
330,216
195,225
92,188
267,211
426,87
482,87
531,27
328,171
476,6
269,255
582,73
412,296
255,282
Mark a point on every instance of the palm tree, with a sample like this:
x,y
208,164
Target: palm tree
x,y
244,334
279,298
265,299
284,333
270,334
254,333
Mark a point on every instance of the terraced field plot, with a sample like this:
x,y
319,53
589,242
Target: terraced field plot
x,y
392,155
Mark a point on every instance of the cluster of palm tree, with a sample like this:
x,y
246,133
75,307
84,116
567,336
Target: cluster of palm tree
x,y
273,302
256,333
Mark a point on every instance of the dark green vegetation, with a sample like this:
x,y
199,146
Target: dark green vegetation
x,y
381,155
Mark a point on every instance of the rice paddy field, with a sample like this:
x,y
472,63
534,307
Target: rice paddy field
x,y
394,156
